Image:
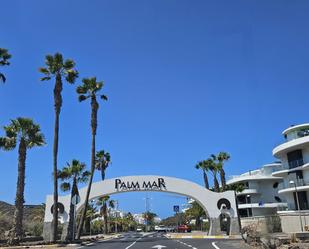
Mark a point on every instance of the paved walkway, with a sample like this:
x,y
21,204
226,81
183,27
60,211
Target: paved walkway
x,y
200,235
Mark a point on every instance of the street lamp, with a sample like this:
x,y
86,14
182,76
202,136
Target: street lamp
x,y
298,207
248,196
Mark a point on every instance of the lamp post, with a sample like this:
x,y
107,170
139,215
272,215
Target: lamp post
x,y
298,207
248,196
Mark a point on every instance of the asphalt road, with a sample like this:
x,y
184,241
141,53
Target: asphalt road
x,y
159,241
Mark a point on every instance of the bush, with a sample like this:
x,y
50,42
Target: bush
x,y
5,225
97,226
34,228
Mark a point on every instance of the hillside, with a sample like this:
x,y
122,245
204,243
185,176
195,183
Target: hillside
x,y
31,212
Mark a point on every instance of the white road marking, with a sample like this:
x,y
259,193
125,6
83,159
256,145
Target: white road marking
x,y
188,244
133,243
214,245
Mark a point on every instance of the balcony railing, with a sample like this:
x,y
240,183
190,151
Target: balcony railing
x,y
296,163
297,134
299,183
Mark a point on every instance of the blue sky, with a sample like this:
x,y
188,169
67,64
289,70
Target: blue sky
x,y
184,79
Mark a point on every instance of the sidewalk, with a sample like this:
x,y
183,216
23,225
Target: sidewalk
x,y
200,235
85,240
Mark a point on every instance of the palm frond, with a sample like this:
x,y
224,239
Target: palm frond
x,y
81,98
4,57
2,78
71,76
104,97
7,143
65,186
68,64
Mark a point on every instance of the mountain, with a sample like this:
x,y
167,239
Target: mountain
x,y
31,212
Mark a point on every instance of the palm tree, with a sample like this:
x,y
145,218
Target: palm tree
x,y
102,160
57,68
203,166
221,158
90,90
27,134
237,187
91,214
102,202
72,174
4,61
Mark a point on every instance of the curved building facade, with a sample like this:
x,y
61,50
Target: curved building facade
x,y
260,196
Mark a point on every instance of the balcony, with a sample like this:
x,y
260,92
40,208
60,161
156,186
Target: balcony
x,y
280,206
296,163
297,134
286,168
301,185
290,145
247,191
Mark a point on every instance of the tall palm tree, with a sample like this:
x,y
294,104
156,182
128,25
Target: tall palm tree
x,y
203,166
72,174
90,90
222,157
102,161
4,61
58,68
27,134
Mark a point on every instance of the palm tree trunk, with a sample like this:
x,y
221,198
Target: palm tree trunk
x,y
70,236
223,181
103,174
216,183
206,179
105,217
57,105
94,110
82,219
18,232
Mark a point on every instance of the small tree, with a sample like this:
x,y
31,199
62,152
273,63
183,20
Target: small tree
x,y
102,161
72,174
27,134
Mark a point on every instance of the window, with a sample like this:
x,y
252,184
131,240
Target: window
x,y
302,198
278,199
295,159
276,185
245,212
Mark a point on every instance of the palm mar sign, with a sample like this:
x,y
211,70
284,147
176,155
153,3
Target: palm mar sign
x,y
158,184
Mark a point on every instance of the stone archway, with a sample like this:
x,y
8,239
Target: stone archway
x,y
213,203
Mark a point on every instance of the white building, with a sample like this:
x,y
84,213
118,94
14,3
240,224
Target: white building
x,y
294,154
186,206
139,218
260,197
